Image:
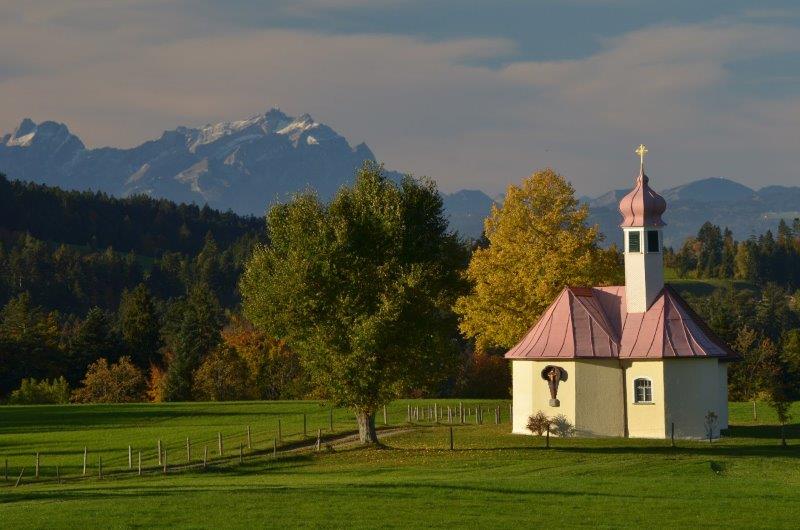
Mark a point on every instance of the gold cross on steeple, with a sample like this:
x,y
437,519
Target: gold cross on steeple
x,y
641,151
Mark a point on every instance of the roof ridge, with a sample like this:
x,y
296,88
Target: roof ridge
x,y
707,331
604,324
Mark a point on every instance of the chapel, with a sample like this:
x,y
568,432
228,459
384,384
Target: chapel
x,y
632,360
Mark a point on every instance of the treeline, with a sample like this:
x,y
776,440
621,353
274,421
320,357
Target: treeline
x,y
760,260
105,299
73,279
761,321
149,349
139,224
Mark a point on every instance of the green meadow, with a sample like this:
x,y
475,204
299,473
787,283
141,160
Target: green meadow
x,y
490,479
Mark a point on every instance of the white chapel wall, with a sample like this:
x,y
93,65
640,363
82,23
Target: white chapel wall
x,y
692,389
645,420
598,398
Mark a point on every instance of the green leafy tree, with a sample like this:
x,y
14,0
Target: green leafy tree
x,y
362,289
746,261
33,392
140,326
539,242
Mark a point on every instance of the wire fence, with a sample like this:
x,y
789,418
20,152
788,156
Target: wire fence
x,y
205,446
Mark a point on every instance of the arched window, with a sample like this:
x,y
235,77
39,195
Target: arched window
x,y
642,390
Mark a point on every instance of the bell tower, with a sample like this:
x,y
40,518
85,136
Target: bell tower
x,y
641,211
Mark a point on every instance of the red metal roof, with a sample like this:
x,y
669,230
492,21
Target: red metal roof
x,y
642,206
591,322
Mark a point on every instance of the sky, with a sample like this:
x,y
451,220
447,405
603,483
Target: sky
x,y
475,94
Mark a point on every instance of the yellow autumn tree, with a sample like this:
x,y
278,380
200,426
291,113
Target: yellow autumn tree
x,y
538,242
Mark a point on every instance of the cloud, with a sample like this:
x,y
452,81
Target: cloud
x,y
120,76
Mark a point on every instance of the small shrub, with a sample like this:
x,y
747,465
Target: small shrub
x,y
33,392
562,426
538,423
710,423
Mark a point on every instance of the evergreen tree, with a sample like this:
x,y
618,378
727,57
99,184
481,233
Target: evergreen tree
x,y
140,326
197,334
93,339
709,255
728,260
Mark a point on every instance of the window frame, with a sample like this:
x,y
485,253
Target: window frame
x,y
647,391
638,240
658,242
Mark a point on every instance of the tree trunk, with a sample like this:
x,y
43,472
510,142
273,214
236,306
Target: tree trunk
x,y
366,427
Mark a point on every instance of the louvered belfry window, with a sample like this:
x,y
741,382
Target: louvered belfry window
x,y
634,242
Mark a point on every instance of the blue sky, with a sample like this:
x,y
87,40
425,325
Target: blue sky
x,y
475,94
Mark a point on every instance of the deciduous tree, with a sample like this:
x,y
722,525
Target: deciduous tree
x,y
362,289
538,243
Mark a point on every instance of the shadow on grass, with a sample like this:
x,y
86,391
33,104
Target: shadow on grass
x,y
792,430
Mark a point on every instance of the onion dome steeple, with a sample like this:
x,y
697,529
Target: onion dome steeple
x,y
642,206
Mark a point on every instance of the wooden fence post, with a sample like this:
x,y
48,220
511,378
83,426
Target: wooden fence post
x,y
319,438
36,474
139,465
408,413
84,460
385,420
274,447
435,413
219,443
19,478
159,453
130,458
249,441
451,437
497,415
449,414
477,416
165,461
188,451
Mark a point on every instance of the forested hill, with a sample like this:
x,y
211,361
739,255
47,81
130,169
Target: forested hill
x,y
139,224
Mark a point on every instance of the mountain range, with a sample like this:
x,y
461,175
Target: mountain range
x,y
246,165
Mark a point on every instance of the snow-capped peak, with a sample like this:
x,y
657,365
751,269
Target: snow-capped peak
x,y
49,133
299,125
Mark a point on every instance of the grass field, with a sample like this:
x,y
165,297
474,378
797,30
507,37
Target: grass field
x,y
491,479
